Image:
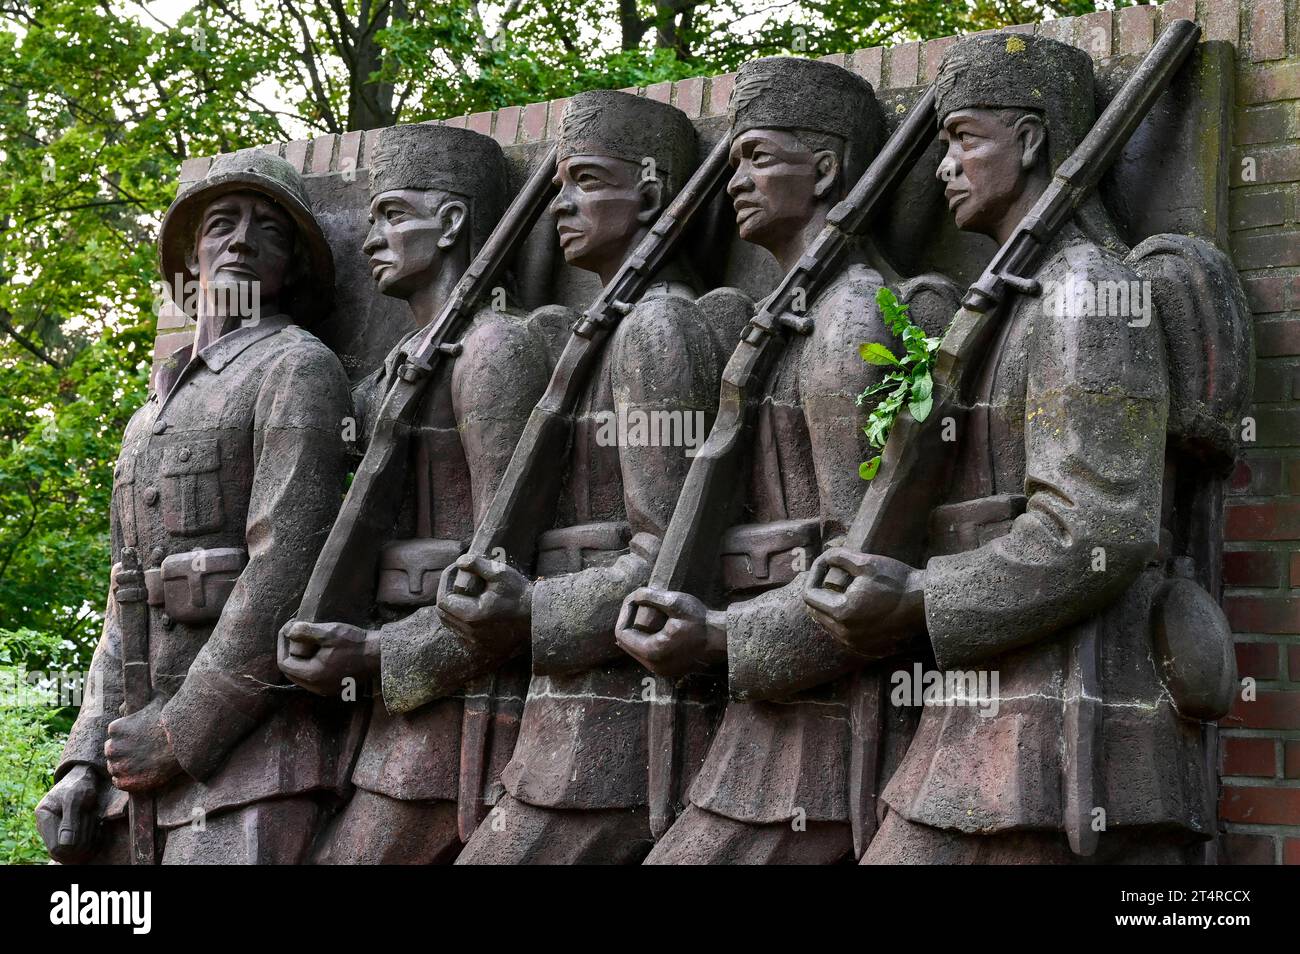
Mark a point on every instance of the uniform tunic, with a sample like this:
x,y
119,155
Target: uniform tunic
x,y
244,451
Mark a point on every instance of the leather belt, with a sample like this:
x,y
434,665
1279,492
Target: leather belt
x,y
571,549
959,527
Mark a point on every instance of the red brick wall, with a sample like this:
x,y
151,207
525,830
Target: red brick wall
x,y
1260,757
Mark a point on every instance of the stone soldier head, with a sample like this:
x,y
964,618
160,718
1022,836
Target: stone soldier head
x,y
245,237
436,192
621,159
802,132
1011,108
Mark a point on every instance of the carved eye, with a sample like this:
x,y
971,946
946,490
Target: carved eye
x,y
394,216
219,225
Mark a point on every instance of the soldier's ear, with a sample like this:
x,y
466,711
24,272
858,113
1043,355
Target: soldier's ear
x,y
828,172
452,216
1033,140
652,200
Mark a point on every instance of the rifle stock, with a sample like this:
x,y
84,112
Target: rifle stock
x,y
688,557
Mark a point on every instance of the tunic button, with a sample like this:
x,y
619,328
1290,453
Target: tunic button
x,y
156,555
159,426
184,454
150,496
167,621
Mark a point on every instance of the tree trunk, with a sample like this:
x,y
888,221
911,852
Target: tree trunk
x,y
631,26
370,104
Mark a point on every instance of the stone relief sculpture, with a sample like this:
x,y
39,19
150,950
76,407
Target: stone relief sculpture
x,y
228,479
552,623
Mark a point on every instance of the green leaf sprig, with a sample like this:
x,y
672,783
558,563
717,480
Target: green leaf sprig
x,y
909,379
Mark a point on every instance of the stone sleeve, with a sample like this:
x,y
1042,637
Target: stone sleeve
x,y
574,615
666,374
495,384
775,649
421,660
1094,424
100,703
831,376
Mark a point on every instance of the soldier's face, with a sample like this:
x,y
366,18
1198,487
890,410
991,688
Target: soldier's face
x,y
986,167
244,238
410,232
777,184
601,206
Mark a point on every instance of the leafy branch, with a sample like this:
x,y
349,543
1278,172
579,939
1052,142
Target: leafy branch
x,y
909,380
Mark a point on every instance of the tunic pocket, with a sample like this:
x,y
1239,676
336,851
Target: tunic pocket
x,y
191,490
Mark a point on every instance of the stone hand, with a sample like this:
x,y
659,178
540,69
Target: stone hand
x,y
685,635
67,817
139,754
496,608
879,612
319,656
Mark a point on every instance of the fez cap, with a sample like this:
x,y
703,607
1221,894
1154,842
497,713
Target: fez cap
x,y
1021,71
623,126
425,156
251,170
787,92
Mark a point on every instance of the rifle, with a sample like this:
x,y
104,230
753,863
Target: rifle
x,y
342,583
514,519
688,557
133,618
915,463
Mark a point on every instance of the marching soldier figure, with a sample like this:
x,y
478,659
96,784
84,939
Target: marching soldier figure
x,y
576,787
773,787
436,194
227,484
1048,561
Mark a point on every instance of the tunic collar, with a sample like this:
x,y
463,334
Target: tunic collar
x,y
232,344
221,352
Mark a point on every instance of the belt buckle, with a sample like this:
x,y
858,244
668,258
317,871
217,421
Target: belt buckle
x,y
766,555
571,549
